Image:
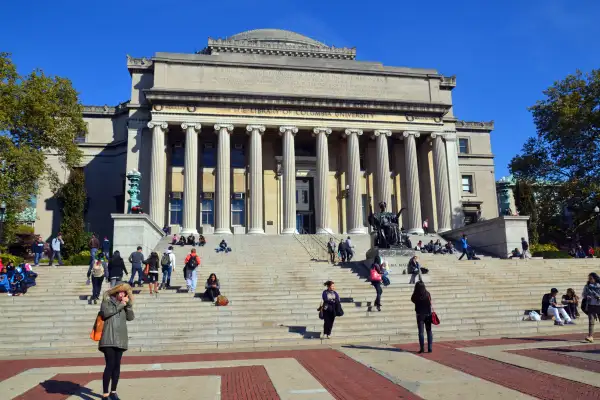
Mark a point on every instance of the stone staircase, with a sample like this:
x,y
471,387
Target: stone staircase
x,y
274,289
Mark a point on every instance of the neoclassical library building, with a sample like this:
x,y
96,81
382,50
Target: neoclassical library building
x,y
271,132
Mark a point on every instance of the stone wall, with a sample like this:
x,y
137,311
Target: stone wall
x,y
133,230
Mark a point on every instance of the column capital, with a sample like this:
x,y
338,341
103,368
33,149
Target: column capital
x,y
319,130
438,134
260,128
284,129
352,131
192,125
163,125
450,135
227,127
411,133
382,132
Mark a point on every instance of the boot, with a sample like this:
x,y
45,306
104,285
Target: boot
x,y
169,283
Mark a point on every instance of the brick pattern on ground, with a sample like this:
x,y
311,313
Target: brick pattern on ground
x,y
554,355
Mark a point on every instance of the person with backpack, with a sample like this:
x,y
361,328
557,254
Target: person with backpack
x,y
56,244
152,272
167,263
97,276
376,278
192,262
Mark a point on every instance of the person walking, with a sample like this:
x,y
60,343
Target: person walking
x,y
426,226
591,297
331,249
213,288
342,251
331,301
192,261
152,263
136,259
375,278
116,310
422,300
525,247
465,247
349,250
94,245
97,277
37,248
167,263
116,269
106,247
56,245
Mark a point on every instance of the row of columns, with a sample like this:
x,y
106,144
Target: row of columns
x,y
288,133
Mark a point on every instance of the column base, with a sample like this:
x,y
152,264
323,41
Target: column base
x,y
442,230
289,231
357,231
324,231
416,231
188,231
255,231
222,231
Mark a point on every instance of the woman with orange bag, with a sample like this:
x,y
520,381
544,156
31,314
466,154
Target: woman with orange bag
x,y
115,311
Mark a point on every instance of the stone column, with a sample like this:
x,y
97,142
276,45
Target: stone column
x,y
223,189
454,180
382,172
442,196
413,194
190,178
158,173
355,225
321,189
289,179
256,179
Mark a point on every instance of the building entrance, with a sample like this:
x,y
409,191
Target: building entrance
x,y
305,206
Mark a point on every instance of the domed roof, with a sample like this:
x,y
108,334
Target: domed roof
x,y
276,36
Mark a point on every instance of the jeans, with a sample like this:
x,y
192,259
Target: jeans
x,y
55,253
166,278
36,258
379,291
424,321
96,286
93,252
191,279
557,313
114,279
112,371
464,253
140,272
332,257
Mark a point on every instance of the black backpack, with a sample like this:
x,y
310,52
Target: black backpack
x,y
192,263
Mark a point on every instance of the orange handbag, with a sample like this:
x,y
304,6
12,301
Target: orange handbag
x,y
147,269
96,333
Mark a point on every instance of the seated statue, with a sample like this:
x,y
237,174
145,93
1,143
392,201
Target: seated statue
x,y
386,226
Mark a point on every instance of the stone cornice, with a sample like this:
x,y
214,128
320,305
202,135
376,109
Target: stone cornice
x,y
139,64
448,82
188,98
473,125
277,49
471,155
89,111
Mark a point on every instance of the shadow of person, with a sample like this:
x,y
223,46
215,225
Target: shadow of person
x,y
69,389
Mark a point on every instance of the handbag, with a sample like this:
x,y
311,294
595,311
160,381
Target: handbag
x,y
339,311
320,310
222,301
435,320
584,305
97,329
375,276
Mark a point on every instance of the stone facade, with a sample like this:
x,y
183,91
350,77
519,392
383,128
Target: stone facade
x,y
271,132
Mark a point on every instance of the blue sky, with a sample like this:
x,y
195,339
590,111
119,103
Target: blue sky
x,y
504,53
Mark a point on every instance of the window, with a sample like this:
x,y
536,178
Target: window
x,y
305,196
238,207
178,155
467,184
209,155
463,146
176,208
238,157
207,212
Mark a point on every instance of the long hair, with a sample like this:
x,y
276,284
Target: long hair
x,y
595,276
116,256
210,276
571,293
420,291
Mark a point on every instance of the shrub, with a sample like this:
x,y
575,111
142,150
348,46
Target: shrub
x,y
552,254
72,197
536,248
82,258
24,230
6,258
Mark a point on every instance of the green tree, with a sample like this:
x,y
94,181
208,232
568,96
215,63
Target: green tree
x,y
39,115
563,156
72,197
526,204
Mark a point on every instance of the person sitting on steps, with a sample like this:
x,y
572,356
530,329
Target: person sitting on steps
x,y
571,301
181,241
223,248
191,240
174,239
516,253
201,241
213,288
551,308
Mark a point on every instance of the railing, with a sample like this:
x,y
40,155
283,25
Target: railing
x,y
316,250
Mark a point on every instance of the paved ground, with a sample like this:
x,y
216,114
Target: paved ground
x,y
560,367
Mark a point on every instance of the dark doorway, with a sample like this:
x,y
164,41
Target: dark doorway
x,y
305,206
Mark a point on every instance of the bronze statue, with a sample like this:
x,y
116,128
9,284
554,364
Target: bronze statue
x,y
387,227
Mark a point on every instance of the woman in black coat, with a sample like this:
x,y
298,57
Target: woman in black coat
x,y
331,304
213,288
116,268
422,300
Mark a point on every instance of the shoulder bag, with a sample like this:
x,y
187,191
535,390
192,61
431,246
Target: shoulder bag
x,y
435,320
96,333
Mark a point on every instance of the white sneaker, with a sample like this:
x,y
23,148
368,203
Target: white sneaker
x,y
571,322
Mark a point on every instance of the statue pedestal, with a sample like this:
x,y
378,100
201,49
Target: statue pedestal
x,y
397,259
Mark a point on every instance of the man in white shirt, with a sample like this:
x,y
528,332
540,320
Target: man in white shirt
x,y
56,245
167,268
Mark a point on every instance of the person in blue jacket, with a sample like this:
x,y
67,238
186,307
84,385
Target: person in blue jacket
x,y
4,282
465,248
37,248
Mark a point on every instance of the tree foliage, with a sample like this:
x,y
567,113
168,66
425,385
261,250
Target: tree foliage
x,y
562,159
72,197
526,204
39,115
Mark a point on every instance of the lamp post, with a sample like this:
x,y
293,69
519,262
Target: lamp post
x,y
2,217
597,213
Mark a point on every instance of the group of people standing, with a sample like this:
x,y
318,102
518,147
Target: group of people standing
x,y
344,250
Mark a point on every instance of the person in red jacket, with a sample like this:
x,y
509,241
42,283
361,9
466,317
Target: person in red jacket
x,y
192,262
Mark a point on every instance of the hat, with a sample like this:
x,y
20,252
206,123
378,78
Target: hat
x,y
120,287
554,290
